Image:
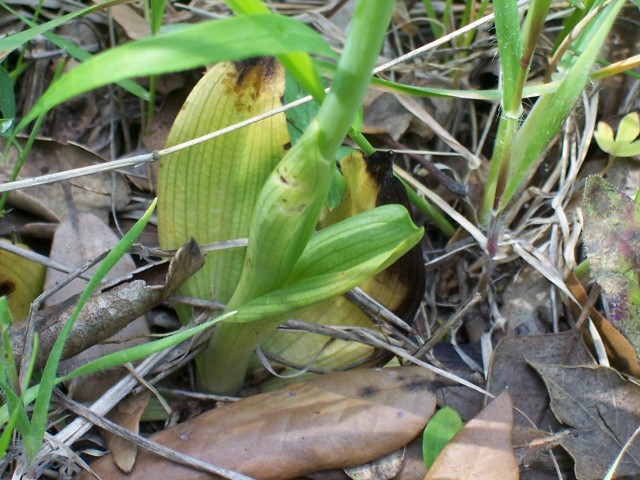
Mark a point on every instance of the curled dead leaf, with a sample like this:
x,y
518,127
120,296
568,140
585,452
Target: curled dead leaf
x,y
109,311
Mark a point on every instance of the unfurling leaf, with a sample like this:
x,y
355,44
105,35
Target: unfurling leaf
x,y
400,287
612,239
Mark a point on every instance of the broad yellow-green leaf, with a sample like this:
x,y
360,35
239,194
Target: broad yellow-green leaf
x,y
209,191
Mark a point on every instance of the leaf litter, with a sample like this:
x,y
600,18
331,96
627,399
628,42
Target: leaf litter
x,y
551,377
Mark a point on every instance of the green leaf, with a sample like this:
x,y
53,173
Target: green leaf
x,y
7,101
299,117
338,184
140,351
157,12
190,47
510,49
9,382
442,427
80,54
629,128
623,145
297,121
337,259
12,42
7,362
604,137
612,239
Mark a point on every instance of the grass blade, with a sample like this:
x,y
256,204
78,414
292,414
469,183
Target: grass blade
x,y
41,406
196,45
79,54
510,49
550,112
14,41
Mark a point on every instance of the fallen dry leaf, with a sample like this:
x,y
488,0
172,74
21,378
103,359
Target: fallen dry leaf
x,y
411,466
127,414
509,370
482,449
602,410
384,468
134,25
384,114
52,202
526,303
334,421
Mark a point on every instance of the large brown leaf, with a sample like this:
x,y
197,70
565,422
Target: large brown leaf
x,y
334,421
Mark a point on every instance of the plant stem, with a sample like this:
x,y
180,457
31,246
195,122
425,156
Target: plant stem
x,y
308,164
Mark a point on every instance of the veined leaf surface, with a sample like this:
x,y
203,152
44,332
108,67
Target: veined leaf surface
x,y
208,191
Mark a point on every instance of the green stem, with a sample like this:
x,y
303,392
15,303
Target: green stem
x,y
494,186
431,212
308,163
